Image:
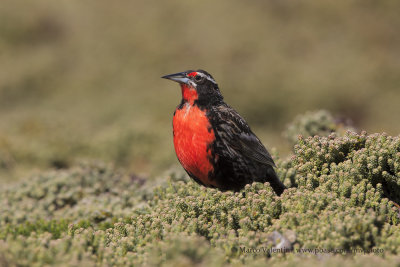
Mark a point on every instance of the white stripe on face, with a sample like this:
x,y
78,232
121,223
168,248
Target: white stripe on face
x,y
207,77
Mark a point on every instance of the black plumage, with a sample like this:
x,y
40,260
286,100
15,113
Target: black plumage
x,y
239,156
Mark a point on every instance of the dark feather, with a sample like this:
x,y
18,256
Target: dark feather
x,y
238,135
241,157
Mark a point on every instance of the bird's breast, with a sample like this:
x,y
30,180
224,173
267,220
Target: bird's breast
x,y
193,138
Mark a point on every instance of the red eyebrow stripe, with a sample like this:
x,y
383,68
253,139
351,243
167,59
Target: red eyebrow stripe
x,y
192,74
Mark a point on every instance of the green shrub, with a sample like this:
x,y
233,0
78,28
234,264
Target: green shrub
x,y
320,122
340,197
342,194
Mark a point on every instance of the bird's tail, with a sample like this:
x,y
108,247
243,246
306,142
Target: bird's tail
x,y
275,182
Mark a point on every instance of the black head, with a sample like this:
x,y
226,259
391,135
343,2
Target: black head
x,y
197,86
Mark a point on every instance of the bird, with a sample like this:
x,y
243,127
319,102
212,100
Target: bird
x,y
212,141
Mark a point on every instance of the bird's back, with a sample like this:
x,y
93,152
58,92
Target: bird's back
x,y
242,158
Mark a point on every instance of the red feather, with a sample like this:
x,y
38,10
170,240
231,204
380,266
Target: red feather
x,y
192,136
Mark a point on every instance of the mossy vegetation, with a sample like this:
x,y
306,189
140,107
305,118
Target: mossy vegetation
x,y
341,199
320,122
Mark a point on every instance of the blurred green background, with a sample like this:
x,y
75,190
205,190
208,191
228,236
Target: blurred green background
x,y
81,80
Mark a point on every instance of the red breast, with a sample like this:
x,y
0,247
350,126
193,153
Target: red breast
x,y
193,136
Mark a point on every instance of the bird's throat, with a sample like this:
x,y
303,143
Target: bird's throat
x,y
189,93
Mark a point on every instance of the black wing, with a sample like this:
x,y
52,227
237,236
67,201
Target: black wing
x,y
236,134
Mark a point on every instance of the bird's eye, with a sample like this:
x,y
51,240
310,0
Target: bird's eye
x,y
198,78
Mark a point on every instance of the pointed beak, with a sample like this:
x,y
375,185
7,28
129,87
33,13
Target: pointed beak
x,y
179,77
